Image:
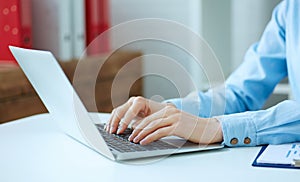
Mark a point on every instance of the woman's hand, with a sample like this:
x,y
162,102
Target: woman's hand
x,y
158,120
129,113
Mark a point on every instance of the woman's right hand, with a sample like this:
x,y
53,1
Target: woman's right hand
x,y
129,112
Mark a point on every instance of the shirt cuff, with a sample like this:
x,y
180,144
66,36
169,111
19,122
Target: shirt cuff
x,y
238,130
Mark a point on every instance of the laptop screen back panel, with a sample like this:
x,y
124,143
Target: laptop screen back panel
x,y
59,97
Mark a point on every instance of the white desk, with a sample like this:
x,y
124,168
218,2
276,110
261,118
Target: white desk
x,y
32,149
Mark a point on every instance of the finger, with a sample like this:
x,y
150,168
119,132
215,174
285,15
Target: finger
x,y
116,117
150,128
108,123
135,122
153,117
158,134
140,125
138,107
113,126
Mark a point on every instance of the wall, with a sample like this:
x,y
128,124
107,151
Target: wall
x,y
249,17
216,29
180,11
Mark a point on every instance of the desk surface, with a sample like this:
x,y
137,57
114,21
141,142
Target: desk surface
x,y
33,149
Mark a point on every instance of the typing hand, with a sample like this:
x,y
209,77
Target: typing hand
x,y
159,120
171,121
130,113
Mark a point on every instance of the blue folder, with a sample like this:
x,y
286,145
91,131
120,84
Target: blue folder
x,y
256,164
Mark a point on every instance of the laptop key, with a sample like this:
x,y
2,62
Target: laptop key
x,y
120,142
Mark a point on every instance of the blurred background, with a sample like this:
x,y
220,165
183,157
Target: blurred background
x,y
68,29
229,27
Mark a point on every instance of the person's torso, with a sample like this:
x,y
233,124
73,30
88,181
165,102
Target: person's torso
x,y
293,46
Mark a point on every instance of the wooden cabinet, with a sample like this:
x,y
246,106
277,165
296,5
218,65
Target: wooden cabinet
x,y
102,82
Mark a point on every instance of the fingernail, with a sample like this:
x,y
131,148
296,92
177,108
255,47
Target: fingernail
x,y
130,138
119,130
111,130
136,140
143,142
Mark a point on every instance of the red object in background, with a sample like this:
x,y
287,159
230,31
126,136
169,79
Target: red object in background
x,y
15,27
97,21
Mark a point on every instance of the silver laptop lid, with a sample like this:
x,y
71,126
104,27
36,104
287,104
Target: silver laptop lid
x,y
59,97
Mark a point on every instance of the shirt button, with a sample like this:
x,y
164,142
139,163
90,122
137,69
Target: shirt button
x,y
234,141
247,140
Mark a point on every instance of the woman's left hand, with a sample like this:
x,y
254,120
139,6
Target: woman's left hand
x,y
171,121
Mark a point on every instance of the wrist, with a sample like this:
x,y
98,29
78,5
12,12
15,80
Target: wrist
x,y
218,137
211,131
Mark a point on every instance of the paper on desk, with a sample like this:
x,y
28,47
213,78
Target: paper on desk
x,y
280,154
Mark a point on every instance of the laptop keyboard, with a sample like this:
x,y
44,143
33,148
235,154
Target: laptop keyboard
x,y
120,142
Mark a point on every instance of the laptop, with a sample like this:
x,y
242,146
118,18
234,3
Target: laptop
x,y
68,111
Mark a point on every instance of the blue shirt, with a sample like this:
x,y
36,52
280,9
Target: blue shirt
x,y
266,63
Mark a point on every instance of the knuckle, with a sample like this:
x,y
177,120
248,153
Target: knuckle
x,y
133,111
113,111
176,116
138,99
113,125
122,122
117,113
171,110
131,99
